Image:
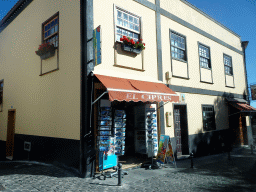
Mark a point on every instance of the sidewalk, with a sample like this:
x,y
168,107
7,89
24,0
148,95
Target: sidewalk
x,y
211,173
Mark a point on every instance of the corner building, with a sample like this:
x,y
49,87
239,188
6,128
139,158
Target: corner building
x,y
190,80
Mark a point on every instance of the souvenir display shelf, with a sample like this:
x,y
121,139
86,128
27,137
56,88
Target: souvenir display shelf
x,y
151,127
119,131
105,141
111,137
146,130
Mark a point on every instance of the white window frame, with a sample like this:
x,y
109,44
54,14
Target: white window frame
x,y
206,116
173,46
117,8
54,37
231,67
205,56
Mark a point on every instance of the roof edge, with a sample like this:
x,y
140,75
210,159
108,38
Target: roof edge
x,y
13,13
13,9
209,17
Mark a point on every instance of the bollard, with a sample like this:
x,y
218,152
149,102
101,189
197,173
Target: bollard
x,y
191,156
119,174
251,148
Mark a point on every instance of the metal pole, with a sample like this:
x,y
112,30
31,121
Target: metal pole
x,y
119,174
192,164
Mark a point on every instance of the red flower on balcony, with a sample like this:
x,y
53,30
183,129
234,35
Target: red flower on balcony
x,y
129,41
45,48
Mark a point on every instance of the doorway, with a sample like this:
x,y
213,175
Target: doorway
x,y
10,134
181,129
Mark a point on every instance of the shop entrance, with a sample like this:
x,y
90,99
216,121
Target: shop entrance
x,y
140,144
131,158
181,129
125,120
237,123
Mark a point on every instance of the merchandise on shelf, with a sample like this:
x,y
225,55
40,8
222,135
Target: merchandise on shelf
x,y
105,141
119,131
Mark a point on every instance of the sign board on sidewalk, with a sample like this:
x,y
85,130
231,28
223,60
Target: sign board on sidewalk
x,y
165,152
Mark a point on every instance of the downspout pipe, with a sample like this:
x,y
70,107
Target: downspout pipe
x,y
87,66
249,128
244,46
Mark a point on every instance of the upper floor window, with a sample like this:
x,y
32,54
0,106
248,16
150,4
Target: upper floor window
x,y
127,24
1,94
228,65
178,46
51,30
204,56
208,118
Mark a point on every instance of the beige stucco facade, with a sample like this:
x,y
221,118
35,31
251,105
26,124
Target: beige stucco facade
x,y
194,104
45,105
192,16
50,105
216,51
113,60
191,74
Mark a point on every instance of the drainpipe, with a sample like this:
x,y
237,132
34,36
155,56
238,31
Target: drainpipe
x,y
249,128
244,46
87,66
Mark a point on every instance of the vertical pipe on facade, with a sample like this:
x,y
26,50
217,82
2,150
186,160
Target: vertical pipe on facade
x,y
244,45
83,111
87,66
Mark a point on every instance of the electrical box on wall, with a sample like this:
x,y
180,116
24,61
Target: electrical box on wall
x,y
167,76
168,119
27,146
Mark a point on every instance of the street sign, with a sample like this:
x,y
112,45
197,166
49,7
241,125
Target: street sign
x,y
97,45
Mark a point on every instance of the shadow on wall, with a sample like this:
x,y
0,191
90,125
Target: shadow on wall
x,y
217,141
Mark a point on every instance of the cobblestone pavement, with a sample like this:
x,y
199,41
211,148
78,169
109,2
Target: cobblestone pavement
x,y
211,173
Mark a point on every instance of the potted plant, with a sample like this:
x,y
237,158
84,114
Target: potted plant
x,y
128,44
46,50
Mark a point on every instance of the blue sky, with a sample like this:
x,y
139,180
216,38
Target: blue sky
x,y
237,15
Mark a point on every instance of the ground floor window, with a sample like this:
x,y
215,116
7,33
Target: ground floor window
x,y
208,118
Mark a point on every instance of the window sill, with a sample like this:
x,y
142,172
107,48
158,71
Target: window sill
x,y
187,78
135,69
180,60
230,87
48,72
229,75
206,68
206,82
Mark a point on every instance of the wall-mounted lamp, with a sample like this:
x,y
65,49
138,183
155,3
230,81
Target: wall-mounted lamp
x,y
167,76
168,119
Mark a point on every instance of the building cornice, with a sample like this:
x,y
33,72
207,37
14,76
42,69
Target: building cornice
x,y
209,17
13,13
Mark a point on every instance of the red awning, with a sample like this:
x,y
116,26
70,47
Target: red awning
x,y
133,90
243,107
